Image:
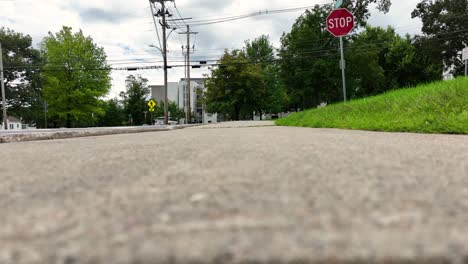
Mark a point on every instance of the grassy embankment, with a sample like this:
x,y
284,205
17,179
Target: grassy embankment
x,y
439,107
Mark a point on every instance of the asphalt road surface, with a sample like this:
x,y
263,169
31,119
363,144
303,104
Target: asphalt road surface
x,y
235,194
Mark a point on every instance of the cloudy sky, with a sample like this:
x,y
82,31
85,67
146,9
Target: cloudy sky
x,y
126,30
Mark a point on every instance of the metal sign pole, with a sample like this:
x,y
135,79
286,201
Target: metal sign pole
x,y
465,58
466,67
343,67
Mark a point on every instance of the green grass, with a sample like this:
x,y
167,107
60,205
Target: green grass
x,y
440,107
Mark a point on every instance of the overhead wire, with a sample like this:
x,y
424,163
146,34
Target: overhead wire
x,y
178,12
197,23
153,9
302,55
204,57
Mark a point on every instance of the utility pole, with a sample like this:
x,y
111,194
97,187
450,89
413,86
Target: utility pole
x,y
162,13
185,87
5,126
187,79
166,101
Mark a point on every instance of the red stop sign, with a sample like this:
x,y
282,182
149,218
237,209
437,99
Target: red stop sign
x,y
340,22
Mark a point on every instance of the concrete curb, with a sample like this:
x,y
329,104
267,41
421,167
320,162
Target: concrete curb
x,y
63,134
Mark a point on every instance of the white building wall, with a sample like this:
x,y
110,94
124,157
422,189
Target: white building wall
x,y
157,92
13,126
210,118
193,95
195,85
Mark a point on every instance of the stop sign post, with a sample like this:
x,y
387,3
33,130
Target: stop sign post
x,y
340,23
465,58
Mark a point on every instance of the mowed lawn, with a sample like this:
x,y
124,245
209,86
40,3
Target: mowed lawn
x,y
439,107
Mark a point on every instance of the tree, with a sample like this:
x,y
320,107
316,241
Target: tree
x,y
373,58
428,60
360,9
379,60
445,25
22,80
270,93
260,49
309,61
175,113
231,88
114,114
135,98
76,75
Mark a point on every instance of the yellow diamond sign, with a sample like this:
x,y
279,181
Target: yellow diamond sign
x,y
152,104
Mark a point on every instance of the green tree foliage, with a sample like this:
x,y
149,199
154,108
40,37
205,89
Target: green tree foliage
x,y
270,96
231,88
175,113
445,24
309,61
360,8
22,81
260,49
135,99
379,60
428,61
115,114
75,77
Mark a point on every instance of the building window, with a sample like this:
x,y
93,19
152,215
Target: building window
x,y
12,126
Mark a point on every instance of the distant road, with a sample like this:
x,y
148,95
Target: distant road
x,y
65,129
236,193
7,136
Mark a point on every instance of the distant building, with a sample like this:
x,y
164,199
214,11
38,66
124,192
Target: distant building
x,y
197,89
176,92
157,92
13,123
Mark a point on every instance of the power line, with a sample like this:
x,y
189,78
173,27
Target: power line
x,y
303,55
153,12
197,23
436,38
364,45
178,12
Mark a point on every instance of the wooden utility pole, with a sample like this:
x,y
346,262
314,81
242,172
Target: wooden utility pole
x,y
187,80
163,12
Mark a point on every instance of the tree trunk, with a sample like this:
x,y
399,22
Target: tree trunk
x,y
237,113
68,120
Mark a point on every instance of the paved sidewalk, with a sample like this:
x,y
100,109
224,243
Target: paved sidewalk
x,y
236,195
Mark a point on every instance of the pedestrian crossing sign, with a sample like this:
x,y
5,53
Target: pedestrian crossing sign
x,y
152,104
